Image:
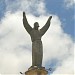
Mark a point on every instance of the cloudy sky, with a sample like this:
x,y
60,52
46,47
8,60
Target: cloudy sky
x,y
58,42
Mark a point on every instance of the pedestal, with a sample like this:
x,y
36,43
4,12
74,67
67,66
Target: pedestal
x,y
36,71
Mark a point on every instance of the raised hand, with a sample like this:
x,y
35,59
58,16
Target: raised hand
x,y
50,17
23,14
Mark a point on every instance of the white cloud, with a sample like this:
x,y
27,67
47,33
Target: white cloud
x,y
15,43
12,44
69,3
65,67
29,6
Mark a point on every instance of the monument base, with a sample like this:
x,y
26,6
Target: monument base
x,y
36,71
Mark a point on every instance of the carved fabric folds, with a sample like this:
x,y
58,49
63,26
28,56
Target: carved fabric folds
x,y
37,53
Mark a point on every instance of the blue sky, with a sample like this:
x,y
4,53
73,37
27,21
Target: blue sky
x,y
2,8
58,41
57,7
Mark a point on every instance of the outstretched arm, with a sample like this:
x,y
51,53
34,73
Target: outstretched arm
x,y
25,23
45,27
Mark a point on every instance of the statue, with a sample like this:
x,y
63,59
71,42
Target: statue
x,y
37,48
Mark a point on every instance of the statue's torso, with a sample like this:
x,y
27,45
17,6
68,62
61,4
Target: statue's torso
x,y
35,35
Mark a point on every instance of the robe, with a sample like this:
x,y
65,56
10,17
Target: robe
x,y
37,48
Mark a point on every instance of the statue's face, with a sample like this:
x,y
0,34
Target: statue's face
x,y
36,25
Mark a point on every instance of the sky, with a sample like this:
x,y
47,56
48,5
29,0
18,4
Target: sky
x,y
58,41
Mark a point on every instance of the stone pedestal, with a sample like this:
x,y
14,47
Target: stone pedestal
x,y
36,71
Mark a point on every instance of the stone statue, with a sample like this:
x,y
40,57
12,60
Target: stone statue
x,y
37,48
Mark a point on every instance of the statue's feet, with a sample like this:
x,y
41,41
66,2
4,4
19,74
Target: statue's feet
x,y
36,67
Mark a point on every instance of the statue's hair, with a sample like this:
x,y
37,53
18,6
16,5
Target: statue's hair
x,y
35,24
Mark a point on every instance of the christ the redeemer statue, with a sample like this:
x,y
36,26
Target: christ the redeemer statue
x,y
37,48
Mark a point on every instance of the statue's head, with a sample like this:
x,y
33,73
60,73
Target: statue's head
x,y
36,25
